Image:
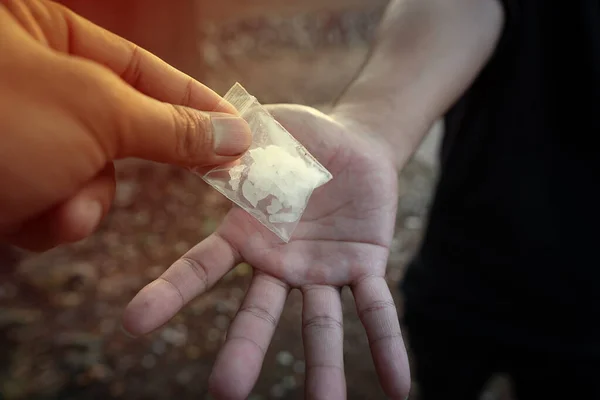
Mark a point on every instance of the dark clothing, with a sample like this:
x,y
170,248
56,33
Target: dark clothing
x,y
511,252
458,367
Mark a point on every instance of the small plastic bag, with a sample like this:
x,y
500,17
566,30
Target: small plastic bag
x,y
275,178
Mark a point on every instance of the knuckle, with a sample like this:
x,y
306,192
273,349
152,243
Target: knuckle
x,y
187,92
173,287
323,322
198,269
133,70
249,341
259,312
385,337
271,280
191,128
377,306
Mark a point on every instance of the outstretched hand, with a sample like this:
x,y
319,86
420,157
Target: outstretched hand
x,y
342,239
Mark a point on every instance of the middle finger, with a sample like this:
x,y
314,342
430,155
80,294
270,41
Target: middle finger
x,y
323,335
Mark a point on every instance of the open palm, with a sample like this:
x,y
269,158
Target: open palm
x,y
342,239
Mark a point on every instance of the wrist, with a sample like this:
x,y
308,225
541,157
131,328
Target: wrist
x,y
394,137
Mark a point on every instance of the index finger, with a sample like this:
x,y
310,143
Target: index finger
x,y
193,274
67,32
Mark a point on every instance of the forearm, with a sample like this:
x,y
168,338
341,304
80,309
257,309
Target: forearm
x,y
426,55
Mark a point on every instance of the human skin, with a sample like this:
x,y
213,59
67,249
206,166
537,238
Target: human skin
x,y
74,98
427,53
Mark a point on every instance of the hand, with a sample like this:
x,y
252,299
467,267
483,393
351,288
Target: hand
x,y
342,239
73,98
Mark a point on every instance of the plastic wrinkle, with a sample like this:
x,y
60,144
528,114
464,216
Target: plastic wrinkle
x,y
274,180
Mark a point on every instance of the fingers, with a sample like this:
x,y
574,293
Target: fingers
x,y
71,221
378,314
323,336
126,123
240,360
178,135
62,30
163,115
198,270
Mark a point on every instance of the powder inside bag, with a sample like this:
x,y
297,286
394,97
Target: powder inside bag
x,y
286,179
274,180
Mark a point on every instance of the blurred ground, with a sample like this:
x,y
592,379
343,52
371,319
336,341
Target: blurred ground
x,y
60,312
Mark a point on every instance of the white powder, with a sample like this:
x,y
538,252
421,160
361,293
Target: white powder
x,y
275,179
235,173
277,173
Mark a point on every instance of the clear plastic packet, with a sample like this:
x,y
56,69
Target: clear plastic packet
x,y
275,178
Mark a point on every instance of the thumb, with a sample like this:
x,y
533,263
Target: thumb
x,y
180,135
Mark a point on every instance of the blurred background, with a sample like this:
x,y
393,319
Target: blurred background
x,y
60,334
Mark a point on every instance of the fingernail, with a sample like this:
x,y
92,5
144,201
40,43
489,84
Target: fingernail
x,y
94,213
84,218
232,135
126,332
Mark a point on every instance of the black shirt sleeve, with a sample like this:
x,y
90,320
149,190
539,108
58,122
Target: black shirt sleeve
x,y
511,18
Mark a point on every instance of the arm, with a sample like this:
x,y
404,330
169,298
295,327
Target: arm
x,y
426,55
